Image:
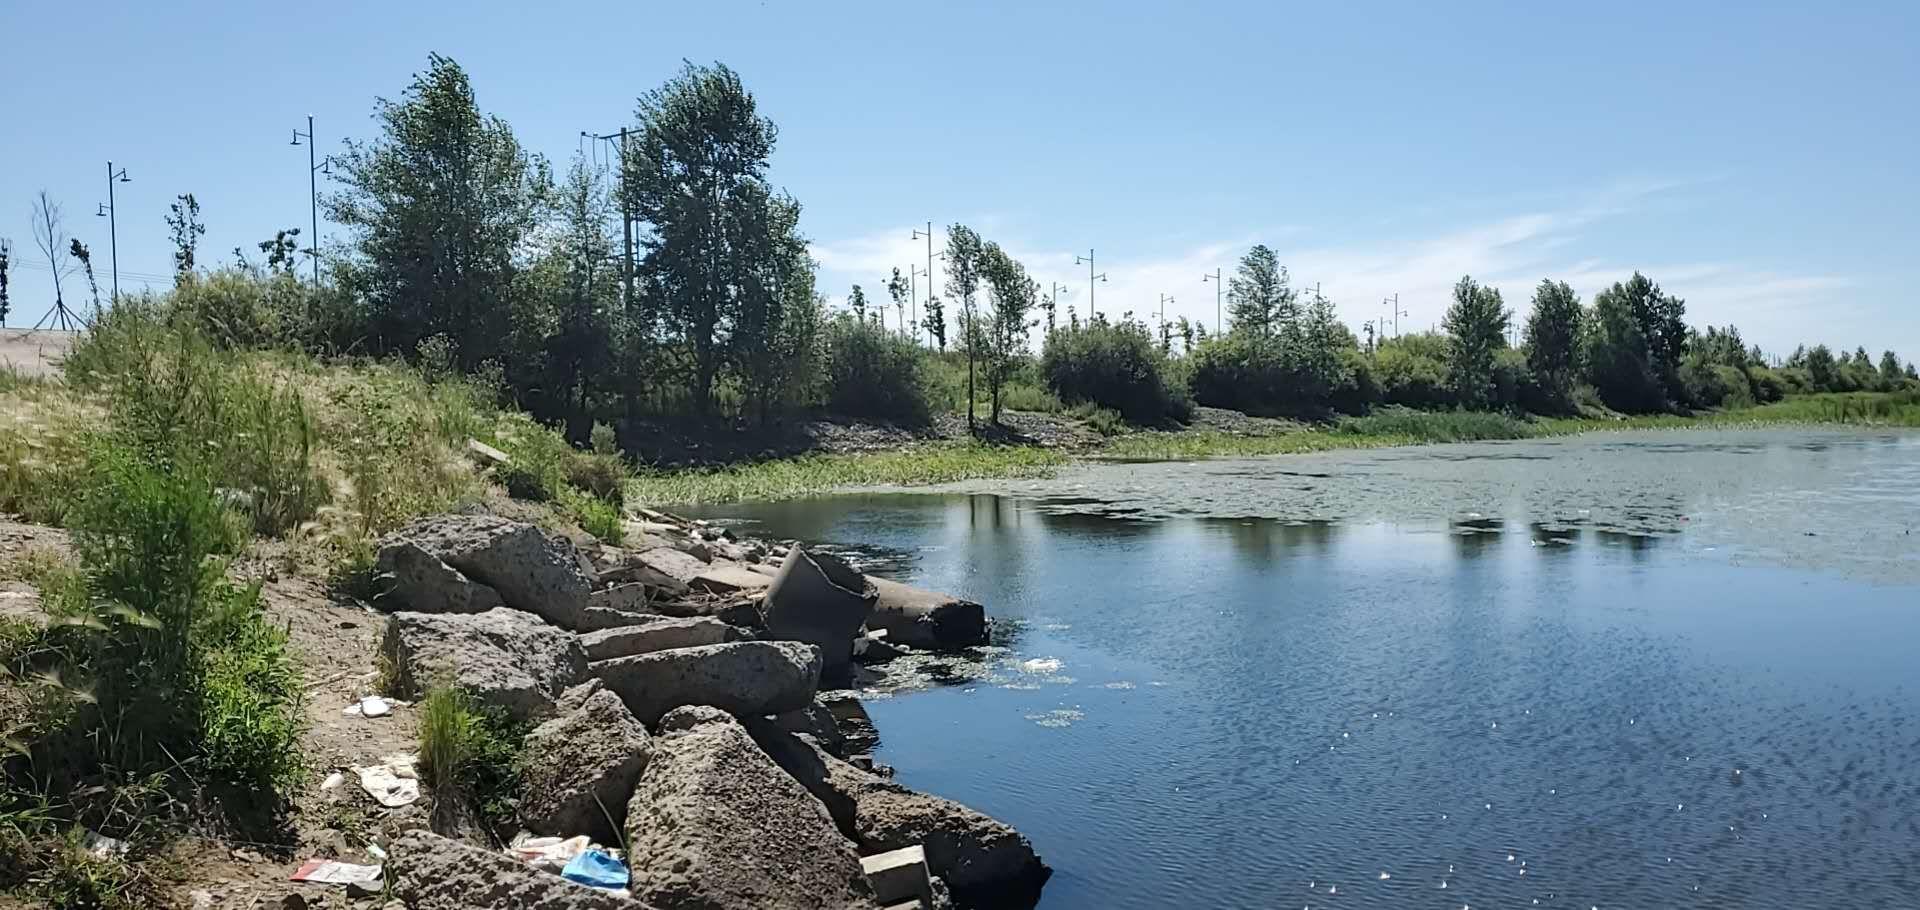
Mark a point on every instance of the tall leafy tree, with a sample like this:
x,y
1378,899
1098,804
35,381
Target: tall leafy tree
x,y
898,289
185,229
1260,300
963,281
774,317
442,207
1619,358
1014,295
1553,338
857,301
1822,370
697,175
934,320
1889,364
581,299
1661,319
1476,325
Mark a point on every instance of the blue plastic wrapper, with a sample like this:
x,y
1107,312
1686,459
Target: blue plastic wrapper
x,y
596,869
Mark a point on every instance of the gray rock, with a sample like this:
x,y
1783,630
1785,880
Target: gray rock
x,y
671,563
631,597
734,610
586,762
659,634
430,872
820,600
502,657
413,579
20,603
919,618
715,824
984,861
531,569
600,619
743,678
729,578
575,696
815,720
692,716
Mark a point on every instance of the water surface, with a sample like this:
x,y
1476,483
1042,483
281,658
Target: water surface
x,y
1619,670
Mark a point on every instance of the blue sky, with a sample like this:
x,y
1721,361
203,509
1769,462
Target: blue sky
x,y
1758,161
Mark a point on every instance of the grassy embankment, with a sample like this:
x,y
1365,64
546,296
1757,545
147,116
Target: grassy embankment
x,y
945,462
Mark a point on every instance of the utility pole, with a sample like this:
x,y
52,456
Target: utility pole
x,y
626,215
928,233
1396,312
113,227
324,166
1091,279
1218,287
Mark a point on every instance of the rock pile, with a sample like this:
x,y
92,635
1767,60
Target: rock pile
x,y
676,685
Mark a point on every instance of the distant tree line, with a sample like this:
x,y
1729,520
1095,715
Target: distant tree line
x,y
464,252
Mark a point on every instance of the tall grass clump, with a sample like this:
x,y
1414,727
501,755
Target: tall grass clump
x,y
471,756
1437,426
813,475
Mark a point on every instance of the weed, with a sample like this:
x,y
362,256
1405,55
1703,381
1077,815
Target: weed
x,y
812,475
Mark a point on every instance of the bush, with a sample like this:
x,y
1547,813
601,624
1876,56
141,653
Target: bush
x,y
1117,366
874,373
157,661
1355,389
1712,385
1768,385
1410,377
1264,375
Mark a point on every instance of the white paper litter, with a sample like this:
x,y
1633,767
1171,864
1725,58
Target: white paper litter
x,y
393,782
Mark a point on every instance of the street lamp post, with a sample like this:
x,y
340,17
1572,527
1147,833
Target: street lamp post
x,y
928,233
314,170
1091,279
113,226
1218,287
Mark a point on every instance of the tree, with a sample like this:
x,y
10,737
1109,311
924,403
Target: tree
x,y
82,255
697,175
1014,294
1553,338
1476,326
442,206
900,290
1822,371
280,250
1049,305
1661,320
1258,296
1889,361
50,235
6,266
963,280
582,295
858,302
1186,335
186,233
935,322
775,315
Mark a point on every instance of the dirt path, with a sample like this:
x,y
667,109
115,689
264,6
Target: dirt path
x,y
34,353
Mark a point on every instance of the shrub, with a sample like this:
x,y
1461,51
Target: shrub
x,y
874,373
158,662
1410,377
1271,376
1117,366
1105,421
1768,385
1355,389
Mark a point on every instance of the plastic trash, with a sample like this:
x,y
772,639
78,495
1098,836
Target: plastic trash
x,y
596,869
549,853
100,846
370,706
334,872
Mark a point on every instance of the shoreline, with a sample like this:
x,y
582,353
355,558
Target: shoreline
x,y
916,464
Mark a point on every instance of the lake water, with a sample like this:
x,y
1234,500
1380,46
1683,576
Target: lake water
x,y
1618,670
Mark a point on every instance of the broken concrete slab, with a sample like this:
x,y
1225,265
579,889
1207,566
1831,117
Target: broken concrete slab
x,y
919,618
660,634
532,570
744,678
587,761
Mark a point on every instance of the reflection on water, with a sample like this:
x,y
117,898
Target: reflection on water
x,y
1478,681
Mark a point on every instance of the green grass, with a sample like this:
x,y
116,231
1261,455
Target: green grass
x,y
812,475
471,755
